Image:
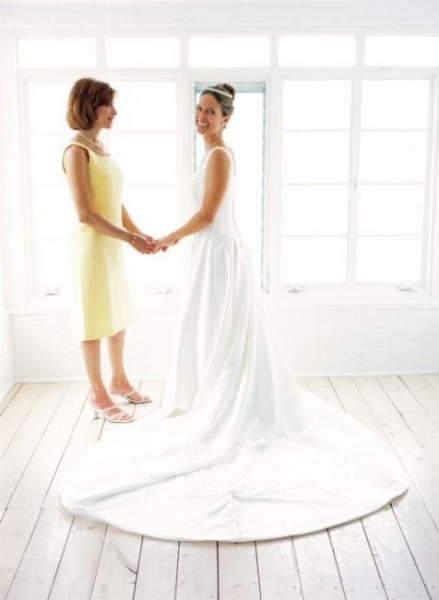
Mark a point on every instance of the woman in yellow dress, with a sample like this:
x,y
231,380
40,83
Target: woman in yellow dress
x,y
100,299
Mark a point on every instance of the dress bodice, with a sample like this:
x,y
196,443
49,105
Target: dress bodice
x,y
106,181
224,222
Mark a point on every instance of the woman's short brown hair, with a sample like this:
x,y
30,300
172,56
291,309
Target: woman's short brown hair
x,y
84,98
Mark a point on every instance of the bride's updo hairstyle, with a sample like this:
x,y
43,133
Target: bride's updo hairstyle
x,y
224,93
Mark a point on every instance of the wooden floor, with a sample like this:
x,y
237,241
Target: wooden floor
x,y
46,553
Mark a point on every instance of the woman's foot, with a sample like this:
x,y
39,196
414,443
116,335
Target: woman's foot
x,y
106,408
126,392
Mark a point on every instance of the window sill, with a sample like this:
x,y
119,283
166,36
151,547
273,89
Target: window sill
x,y
309,299
365,297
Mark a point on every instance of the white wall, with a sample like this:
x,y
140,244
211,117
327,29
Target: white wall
x,y
324,340
6,195
6,372
319,336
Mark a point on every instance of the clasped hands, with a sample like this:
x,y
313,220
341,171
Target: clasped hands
x,y
146,244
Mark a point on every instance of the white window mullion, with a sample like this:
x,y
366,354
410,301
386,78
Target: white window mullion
x,y
100,54
31,283
354,182
273,178
430,258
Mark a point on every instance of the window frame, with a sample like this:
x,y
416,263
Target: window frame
x,y
273,76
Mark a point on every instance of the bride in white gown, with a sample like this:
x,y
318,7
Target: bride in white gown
x,y
237,451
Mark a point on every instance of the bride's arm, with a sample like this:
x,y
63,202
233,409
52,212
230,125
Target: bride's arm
x,y
216,184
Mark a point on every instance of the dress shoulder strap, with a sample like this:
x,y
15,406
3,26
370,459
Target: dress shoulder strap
x,y
225,150
74,144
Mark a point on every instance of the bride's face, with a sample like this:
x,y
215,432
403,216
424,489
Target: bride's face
x,y
208,117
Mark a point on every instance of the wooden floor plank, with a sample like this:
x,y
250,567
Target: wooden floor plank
x,y
415,522
197,575
397,568
20,450
238,571
157,573
154,389
36,480
358,571
354,404
416,462
16,529
433,380
117,571
35,575
85,434
278,573
414,414
318,570
7,398
322,387
15,412
422,537
77,570
425,393
355,563
393,552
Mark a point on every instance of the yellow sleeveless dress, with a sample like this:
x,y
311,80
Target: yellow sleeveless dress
x,y
99,297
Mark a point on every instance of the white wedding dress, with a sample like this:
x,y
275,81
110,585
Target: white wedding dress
x,y
237,451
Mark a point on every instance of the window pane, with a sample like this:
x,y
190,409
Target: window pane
x,y
52,210
50,261
314,260
47,107
317,51
155,209
229,51
409,51
142,53
315,210
56,53
390,209
389,260
317,105
148,106
146,158
46,158
393,157
315,157
395,104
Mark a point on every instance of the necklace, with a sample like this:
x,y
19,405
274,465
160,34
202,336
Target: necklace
x,y
213,144
99,145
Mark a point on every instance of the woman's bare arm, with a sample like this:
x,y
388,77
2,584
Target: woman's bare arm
x,y
75,163
216,184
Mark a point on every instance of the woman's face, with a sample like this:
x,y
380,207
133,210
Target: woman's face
x,y
208,117
105,115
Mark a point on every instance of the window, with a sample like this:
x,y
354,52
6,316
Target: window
x,y
392,180
50,206
317,51
75,53
144,139
333,135
315,181
229,51
142,53
402,51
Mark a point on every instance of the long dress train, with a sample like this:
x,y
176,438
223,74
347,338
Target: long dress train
x,y
237,450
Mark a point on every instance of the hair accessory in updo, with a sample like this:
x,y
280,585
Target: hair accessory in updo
x,y
217,91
